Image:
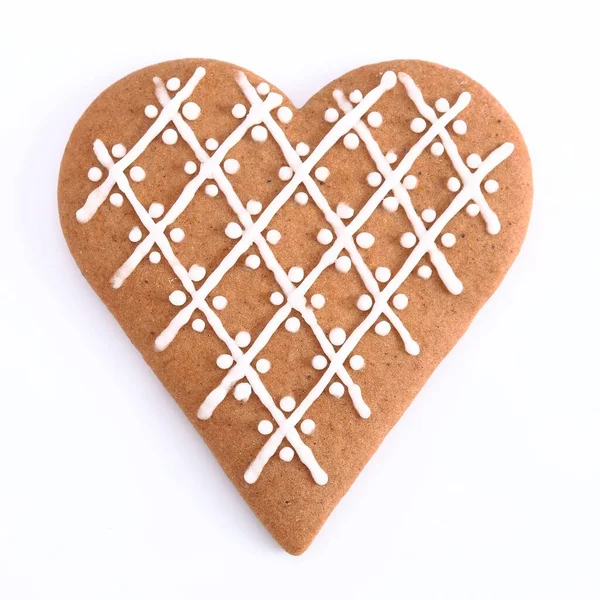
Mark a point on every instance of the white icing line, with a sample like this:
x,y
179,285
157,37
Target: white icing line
x,y
445,271
414,93
99,194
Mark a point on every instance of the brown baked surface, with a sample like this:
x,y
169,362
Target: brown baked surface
x,y
285,497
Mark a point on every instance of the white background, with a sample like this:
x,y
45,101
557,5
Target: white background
x,y
489,487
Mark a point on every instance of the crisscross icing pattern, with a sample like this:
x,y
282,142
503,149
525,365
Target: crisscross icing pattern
x,y
241,363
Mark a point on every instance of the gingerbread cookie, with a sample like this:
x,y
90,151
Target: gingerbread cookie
x,y
294,276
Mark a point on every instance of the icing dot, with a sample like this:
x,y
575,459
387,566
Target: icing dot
x,y
400,301
286,454
324,237
351,141
365,239
239,111
473,209
276,298
357,362
296,274
118,151
382,274
473,161
336,389
273,236
135,235
263,88
337,336
116,199
198,325
364,302
94,174
137,173
317,301
285,114
287,404
344,211
322,173
428,215
391,157
177,298
265,427
460,127
219,302
491,186
191,111
343,264
307,427
224,361
301,198
253,207
156,210
169,136
374,119
197,272
319,362
292,324
263,365
211,144
417,125
355,96
259,133
151,111
437,148
233,231
382,328
302,149
285,173
242,339
173,84
242,391
408,239
390,204
453,184
177,234
410,182
154,257
252,261
424,272
374,179
331,115
231,166
442,105
190,167
211,190
448,240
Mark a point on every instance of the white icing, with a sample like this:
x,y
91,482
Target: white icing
x,y
265,427
137,174
287,404
322,173
116,199
286,454
296,274
351,141
177,234
400,301
410,182
325,237
442,105
344,211
263,88
319,362
307,427
331,115
219,302
382,274
154,257
357,362
302,149
417,125
135,235
448,240
343,264
239,111
242,391
191,111
190,167
317,301
173,84
355,96
364,302
197,272
301,198
211,144
273,236
243,339
292,324
211,190
408,239
390,203
374,179
169,136
252,261
285,173
472,209
374,119
365,239
424,272
337,336
177,298
231,166
198,325
474,161
263,365
336,389
391,157
259,133
284,114
233,231
151,111
277,298
437,148
491,186
459,127
224,361
94,174
156,210
382,328
253,207
428,215
118,151
454,184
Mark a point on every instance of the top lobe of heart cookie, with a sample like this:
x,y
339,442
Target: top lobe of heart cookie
x,y
294,276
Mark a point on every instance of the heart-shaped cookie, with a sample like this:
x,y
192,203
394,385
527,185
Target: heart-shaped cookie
x,y
294,276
